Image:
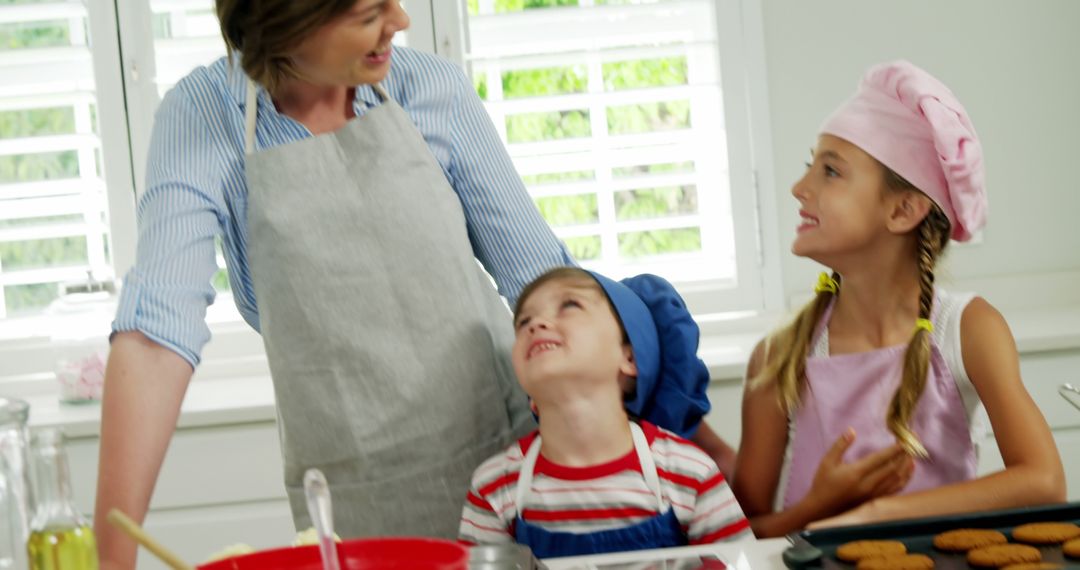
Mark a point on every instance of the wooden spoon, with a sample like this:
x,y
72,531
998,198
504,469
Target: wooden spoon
x,y
132,528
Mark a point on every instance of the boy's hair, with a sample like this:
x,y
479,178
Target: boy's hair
x,y
787,348
569,274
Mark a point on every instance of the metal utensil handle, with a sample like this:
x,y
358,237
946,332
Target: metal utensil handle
x,y
317,493
1067,390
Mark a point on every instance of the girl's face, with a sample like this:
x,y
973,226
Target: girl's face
x,y
354,48
566,331
842,203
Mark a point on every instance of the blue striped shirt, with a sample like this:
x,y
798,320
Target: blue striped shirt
x,y
196,191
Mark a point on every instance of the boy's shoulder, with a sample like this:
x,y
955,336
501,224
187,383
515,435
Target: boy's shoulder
x,y
677,454
503,464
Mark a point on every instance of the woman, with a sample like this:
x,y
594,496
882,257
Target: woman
x,y
387,344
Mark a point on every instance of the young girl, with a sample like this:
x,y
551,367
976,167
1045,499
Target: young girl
x,y
591,353
863,408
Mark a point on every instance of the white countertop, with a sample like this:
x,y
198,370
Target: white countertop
x,y
743,555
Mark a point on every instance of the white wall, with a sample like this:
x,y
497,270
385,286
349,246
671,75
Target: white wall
x,y
1015,65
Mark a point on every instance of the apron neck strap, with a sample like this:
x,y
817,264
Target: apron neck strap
x,y
250,113
648,466
641,446
382,92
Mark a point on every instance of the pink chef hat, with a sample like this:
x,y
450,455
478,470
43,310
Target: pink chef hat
x,y
911,123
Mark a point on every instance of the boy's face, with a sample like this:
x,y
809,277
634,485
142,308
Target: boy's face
x,y
568,339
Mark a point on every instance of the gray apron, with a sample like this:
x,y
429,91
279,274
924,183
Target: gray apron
x,y
387,343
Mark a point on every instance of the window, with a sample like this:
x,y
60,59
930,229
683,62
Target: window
x,y
614,113
57,102
627,119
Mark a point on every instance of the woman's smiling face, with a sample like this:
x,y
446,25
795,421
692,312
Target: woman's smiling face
x,y
354,48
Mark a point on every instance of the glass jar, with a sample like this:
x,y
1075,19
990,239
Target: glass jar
x,y
80,341
60,537
14,484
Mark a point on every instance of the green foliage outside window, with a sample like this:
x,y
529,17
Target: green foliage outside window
x,y
648,117
584,248
647,169
519,5
39,253
649,203
544,82
553,125
569,210
41,166
37,122
638,74
557,177
645,244
22,298
34,35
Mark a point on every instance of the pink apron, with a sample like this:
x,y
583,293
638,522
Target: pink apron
x,y
854,390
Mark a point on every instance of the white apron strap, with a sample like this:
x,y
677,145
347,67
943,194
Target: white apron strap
x,y
525,476
648,466
251,111
641,446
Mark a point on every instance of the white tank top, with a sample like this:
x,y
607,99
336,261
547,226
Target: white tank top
x,y
946,315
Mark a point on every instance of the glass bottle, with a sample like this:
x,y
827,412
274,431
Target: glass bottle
x,y
60,537
14,484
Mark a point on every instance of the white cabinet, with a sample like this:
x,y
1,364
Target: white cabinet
x,y
218,486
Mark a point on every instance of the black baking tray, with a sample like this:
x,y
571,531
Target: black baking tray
x,y
918,535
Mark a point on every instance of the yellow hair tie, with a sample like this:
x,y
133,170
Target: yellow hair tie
x,y
924,324
826,284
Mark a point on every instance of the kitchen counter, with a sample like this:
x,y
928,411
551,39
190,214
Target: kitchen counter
x,y
743,555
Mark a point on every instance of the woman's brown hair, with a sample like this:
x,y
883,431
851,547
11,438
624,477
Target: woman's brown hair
x,y
265,32
786,349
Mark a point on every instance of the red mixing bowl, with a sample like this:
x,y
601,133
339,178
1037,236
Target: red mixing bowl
x,y
358,554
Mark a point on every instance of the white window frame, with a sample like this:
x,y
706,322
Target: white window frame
x,y
109,99
749,146
124,61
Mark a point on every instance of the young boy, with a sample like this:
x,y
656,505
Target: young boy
x,y
593,353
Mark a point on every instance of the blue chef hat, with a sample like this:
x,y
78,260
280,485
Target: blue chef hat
x,y
671,380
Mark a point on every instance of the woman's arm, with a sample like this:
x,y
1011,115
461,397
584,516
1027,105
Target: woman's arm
x,y
837,485
509,236
144,387
1033,472
160,321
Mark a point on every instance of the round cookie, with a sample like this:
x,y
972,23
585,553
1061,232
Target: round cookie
x,y
905,562
1046,532
965,539
859,549
1034,566
1072,548
1003,555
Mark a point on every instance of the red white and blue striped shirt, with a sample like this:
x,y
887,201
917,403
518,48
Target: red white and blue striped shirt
x,y
602,497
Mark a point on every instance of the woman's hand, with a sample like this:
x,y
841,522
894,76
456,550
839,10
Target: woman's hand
x,y
840,486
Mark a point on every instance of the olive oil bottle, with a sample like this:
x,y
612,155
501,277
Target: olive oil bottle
x,y
60,537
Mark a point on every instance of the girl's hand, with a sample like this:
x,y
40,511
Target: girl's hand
x,y
839,486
